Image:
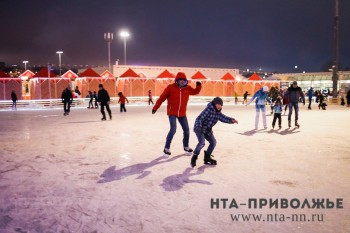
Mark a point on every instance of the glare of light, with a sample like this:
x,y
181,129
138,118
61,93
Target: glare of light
x,y
124,34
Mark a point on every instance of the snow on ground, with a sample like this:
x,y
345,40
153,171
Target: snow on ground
x,y
78,174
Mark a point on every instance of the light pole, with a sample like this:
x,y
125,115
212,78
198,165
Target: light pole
x,y
59,59
25,65
335,67
124,35
108,38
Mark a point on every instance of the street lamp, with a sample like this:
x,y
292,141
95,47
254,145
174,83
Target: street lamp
x,y
59,59
124,35
109,37
25,65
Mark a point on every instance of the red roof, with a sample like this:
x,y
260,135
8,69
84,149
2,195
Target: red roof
x,y
198,75
228,76
44,73
27,73
129,73
254,77
166,74
3,75
107,74
89,73
70,74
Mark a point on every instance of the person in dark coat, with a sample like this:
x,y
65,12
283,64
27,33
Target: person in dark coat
x,y
104,99
294,93
67,99
14,100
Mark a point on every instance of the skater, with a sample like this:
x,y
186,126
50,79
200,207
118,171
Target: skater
x,y
277,115
320,101
67,100
261,98
14,100
310,94
96,99
273,94
348,98
77,92
103,98
90,95
177,95
203,129
150,100
294,93
122,100
245,96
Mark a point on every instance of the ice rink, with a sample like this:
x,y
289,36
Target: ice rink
x,y
79,174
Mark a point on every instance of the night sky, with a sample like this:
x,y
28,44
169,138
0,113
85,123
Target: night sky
x,y
273,35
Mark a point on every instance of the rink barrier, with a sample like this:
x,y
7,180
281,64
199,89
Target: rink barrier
x,y
84,102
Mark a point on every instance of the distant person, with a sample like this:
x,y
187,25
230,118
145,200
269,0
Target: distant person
x,y
91,96
177,95
122,100
261,98
104,99
348,98
77,92
320,100
310,94
294,93
245,97
14,100
96,99
236,98
67,99
150,100
203,129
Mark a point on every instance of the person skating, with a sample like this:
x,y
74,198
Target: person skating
x,y
96,100
67,100
261,98
122,100
103,98
91,99
203,129
177,95
150,100
245,97
14,100
294,93
277,113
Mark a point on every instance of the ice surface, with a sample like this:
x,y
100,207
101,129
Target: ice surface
x,y
79,174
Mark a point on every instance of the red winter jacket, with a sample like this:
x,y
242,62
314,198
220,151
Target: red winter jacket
x,y
177,99
122,99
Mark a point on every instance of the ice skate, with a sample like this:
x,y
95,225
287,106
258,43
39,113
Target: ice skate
x,y
103,118
110,116
166,152
296,124
193,160
289,124
208,159
280,127
188,151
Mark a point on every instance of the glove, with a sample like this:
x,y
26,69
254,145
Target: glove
x,y
198,83
153,111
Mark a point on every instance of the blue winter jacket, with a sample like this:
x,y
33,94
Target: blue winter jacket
x,y
208,118
260,96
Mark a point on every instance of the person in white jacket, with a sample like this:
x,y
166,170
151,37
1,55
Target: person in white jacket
x,y
261,98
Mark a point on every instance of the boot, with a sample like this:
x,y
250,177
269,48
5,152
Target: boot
x,y
208,159
289,124
193,160
296,124
110,116
188,150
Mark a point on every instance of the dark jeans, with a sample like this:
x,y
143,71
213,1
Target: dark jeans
x,y
66,106
275,117
150,101
201,142
122,108
296,108
184,124
310,100
90,103
103,109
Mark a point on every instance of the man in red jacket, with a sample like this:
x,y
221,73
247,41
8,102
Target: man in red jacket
x,y
177,95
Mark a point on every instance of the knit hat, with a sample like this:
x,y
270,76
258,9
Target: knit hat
x,y
217,100
265,88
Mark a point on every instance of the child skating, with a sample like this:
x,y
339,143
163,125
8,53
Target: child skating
x,y
122,100
277,113
203,129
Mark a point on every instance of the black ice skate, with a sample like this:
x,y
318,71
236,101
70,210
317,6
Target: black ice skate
x,y
193,160
208,159
289,124
103,118
167,153
296,124
188,151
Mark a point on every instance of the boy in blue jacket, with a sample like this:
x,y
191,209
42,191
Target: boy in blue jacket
x,y
203,129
